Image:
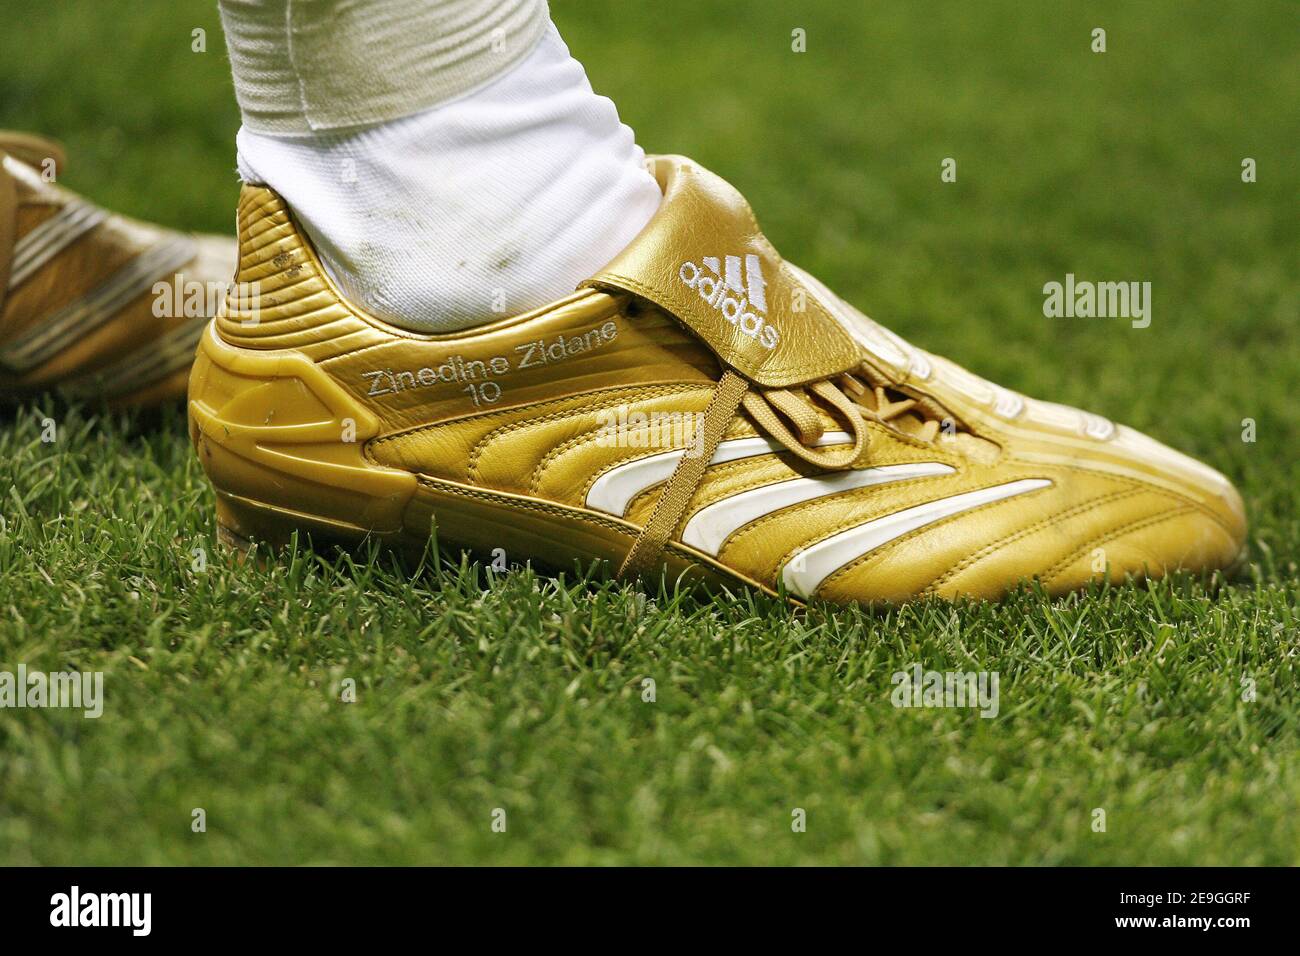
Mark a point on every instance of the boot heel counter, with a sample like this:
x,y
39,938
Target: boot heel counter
x,y
284,446
282,297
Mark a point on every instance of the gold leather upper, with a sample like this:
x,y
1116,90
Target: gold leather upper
x,y
80,307
309,413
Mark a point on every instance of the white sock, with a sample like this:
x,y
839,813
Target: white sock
x,y
487,205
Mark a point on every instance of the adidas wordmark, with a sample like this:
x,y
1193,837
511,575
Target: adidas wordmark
x,y
745,310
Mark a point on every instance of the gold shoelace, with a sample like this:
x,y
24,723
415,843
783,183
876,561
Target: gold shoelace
x,y
854,400
884,409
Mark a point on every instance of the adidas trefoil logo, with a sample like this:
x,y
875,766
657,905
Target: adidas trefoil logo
x,y
747,307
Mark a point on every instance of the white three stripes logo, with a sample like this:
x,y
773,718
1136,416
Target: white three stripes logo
x,y
51,237
709,528
810,567
729,271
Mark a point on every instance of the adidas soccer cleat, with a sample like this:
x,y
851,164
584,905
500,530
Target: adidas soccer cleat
x,y
699,408
95,304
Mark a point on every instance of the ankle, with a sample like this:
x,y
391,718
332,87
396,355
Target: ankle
x,y
490,205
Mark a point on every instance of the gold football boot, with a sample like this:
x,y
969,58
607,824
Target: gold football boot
x,y
700,407
92,303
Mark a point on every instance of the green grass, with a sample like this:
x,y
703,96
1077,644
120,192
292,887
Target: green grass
x,y
525,692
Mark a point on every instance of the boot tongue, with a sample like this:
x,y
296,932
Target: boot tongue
x,y
703,259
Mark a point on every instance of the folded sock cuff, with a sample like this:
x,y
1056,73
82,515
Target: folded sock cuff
x,y
306,65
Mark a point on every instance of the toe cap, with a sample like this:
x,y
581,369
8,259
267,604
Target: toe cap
x,y
1195,521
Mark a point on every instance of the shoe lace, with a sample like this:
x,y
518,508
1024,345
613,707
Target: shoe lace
x,y
792,416
883,403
